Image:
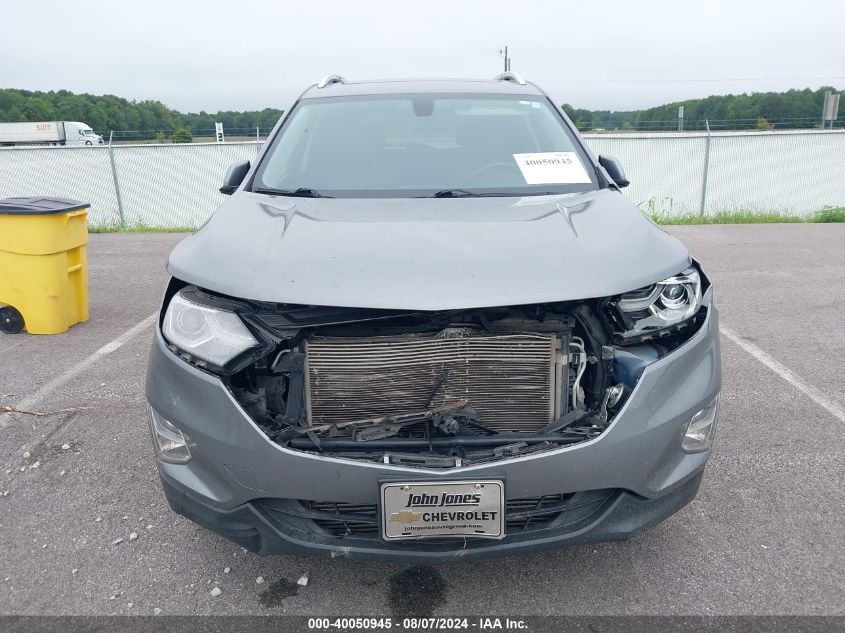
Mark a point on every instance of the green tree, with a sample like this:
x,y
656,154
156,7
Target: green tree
x,y
140,120
131,120
181,136
39,109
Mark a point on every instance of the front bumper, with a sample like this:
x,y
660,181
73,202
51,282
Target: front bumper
x,y
253,525
237,475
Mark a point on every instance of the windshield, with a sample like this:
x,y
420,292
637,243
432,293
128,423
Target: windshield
x,y
424,145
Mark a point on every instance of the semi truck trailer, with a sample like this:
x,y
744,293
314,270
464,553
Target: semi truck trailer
x,y
48,133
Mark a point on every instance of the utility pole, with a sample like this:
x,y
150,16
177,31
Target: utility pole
x,y
507,58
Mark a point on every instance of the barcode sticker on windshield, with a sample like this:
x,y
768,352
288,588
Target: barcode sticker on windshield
x,y
547,168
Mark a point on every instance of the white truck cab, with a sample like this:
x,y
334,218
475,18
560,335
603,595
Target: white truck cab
x,y
77,133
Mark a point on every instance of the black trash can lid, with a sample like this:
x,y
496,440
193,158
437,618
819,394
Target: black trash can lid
x,y
39,206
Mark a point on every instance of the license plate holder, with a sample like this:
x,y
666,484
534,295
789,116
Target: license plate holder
x,y
443,509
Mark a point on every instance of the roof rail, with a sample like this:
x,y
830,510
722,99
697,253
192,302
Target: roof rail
x,y
510,76
331,79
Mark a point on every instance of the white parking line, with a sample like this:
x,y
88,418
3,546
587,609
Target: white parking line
x,y
6,349
787,374
81,366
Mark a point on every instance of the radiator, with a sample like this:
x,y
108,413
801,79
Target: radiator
x,y
511,380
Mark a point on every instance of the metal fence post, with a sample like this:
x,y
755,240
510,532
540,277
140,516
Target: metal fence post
x,y
116,184
706,168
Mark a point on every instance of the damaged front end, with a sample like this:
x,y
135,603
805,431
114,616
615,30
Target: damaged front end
x,y
433,389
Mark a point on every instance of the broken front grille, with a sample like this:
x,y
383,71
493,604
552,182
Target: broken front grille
x,y
361,520
510,380
353,519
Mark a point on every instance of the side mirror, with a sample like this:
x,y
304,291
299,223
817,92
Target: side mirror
x,y
234,177
614,170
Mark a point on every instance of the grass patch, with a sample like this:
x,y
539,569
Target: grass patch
x,y
832,214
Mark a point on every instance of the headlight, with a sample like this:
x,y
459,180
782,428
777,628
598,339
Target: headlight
x,y
208,333
661,308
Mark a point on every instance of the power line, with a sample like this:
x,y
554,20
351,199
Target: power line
x,y
638,81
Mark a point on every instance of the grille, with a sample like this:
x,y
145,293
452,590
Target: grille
x,y
347,519
508,379
534,512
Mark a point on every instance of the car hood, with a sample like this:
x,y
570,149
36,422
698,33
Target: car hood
x,y
427,253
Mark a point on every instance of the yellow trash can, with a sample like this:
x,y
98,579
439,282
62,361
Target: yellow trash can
x,y
43,264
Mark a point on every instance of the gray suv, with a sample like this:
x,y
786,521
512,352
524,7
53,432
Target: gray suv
x,y
428,325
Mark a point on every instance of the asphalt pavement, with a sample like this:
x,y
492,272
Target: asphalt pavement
x,y
766,534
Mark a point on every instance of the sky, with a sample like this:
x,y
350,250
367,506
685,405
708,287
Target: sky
x,y
597,54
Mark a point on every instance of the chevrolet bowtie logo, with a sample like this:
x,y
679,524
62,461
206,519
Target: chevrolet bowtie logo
x,y
405,517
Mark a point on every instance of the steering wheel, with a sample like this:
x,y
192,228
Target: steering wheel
x,y
490,167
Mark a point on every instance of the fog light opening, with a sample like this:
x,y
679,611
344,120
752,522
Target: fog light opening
x,y
169,442
701,429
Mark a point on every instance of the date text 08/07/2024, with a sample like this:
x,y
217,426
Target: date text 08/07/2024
x,y
485,623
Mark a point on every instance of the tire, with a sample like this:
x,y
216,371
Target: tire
x,y
88,142
11,321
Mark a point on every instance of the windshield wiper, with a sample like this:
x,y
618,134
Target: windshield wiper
x,y
454,193
466,193
302,192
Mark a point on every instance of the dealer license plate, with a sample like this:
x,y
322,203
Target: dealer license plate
x,y
451,508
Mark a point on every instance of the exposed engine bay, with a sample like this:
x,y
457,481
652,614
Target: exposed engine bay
x,y
434,389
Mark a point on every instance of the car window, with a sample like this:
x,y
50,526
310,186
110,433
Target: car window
x,y
418,145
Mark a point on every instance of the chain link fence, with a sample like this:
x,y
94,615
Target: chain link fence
x,y
162,186
797,172
175,185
